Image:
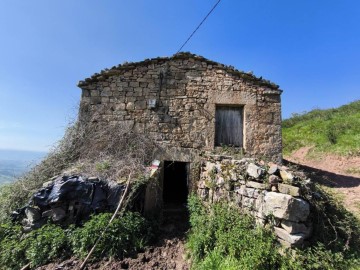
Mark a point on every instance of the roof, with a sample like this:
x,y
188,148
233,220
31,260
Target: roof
x,y
115,70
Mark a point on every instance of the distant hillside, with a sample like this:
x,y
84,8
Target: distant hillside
x,y
13,163
333,130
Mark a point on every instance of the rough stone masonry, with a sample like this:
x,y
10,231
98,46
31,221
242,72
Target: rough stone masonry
x,y
271,193
174,100
189,105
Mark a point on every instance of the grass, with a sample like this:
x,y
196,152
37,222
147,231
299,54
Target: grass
x,y
328,131
353,170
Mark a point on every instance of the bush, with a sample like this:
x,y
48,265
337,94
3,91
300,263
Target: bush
x,y
221,237
12,252
124,236
127,234
37,247
46,244
109,152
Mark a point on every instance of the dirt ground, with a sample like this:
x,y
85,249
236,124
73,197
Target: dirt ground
x,y
168,253
340,174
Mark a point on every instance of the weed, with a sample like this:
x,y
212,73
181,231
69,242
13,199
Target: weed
x,y
108,153
124,236
221,237
127,234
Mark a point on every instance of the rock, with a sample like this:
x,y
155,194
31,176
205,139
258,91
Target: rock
x,y
130,106
273,179
201,184
287,189
286,176
274,189
295,228
58,214
273,169
257,185
284,206
47,184
254,171
203,193
293,240
220,181
248,202
32,214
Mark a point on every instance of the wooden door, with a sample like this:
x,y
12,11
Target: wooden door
x,y
229,126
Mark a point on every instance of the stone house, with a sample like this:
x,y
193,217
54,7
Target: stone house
x,y
189,104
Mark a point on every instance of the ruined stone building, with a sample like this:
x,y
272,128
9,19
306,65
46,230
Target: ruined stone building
x,y
189,104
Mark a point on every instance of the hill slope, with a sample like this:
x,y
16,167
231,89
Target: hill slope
x,y
329,131
14,163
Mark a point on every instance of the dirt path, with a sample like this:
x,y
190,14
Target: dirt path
x,y
341,174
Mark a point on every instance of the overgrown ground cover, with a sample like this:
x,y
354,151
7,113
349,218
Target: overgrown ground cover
x,y
329,131
110,152
222,238
125,235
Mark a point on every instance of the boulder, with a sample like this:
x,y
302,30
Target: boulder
x,y
285,206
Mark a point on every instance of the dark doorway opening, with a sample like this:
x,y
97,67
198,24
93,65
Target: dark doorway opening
x,y
175,188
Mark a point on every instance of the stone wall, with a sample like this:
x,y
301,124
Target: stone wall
x,y
269,192
174,100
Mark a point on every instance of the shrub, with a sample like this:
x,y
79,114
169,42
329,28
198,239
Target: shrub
x,y
109,152
125,235
46,244
12,252
221,237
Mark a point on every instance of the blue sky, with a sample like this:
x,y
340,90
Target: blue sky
x,y
310,48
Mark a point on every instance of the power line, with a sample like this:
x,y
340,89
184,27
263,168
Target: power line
x,y
198,26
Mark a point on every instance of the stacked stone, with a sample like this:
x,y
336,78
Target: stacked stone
x,y
269,192
174,101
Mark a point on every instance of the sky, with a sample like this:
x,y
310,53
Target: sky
x,y
310,48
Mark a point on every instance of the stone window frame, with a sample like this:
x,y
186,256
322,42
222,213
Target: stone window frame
x,y
243,112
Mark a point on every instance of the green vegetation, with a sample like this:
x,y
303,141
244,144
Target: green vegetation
x,y
334,130
127,234
124,236
223,238
110,152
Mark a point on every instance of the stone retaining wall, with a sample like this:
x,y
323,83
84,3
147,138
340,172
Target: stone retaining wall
x,y
269,192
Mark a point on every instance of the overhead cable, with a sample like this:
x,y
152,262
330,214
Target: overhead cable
x,y
199,26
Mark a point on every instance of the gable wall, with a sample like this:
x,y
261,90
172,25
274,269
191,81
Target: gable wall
x,y
187,91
